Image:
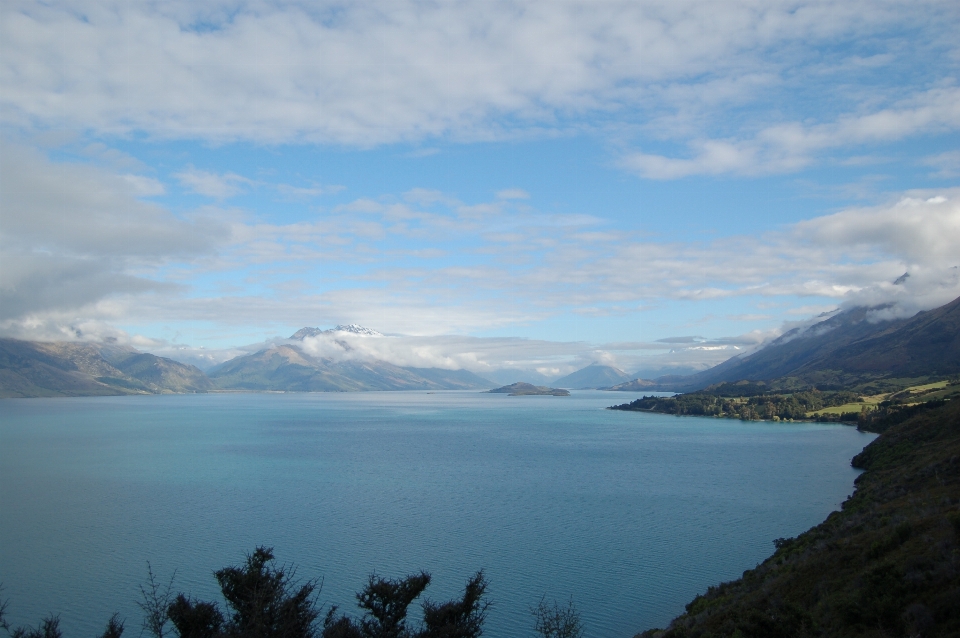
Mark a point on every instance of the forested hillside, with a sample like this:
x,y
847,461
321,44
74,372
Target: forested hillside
x,y
887,564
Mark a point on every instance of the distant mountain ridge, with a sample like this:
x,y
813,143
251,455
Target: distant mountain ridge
x,y
841,350
58,369
35,369
287,367
592,377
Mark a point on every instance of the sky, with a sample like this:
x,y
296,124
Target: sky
x,y
531,185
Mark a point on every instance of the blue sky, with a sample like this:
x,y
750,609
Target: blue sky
x,y
537,185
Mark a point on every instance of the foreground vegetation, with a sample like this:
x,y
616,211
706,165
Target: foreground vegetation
x,y
888,564
262,600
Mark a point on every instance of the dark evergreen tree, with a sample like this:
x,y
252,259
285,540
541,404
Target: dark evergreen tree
x,y
195,619
458,618
114,627
386,603
263,599
50,626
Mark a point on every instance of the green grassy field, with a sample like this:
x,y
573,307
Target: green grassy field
x,y
928,392
846,407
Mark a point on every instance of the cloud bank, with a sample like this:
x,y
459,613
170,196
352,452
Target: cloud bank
x,y
73,236
80,242
710,87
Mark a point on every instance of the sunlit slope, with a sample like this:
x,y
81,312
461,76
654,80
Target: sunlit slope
x,y
32,369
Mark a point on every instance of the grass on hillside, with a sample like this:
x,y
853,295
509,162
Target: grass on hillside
x,y
846,408
910,395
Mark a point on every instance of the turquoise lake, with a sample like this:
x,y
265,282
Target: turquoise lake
x,y
629,515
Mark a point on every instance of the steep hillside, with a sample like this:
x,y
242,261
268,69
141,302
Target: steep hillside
x,y
927,344
33,369
848,349
888,564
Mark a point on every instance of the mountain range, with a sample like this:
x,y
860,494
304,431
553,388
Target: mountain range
x,y
288,367
41,369
30,369
842,350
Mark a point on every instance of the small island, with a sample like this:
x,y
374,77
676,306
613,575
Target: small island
x,y
524,389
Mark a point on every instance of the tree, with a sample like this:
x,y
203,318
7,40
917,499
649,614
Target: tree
x,y
554,621
195,619
156,601
50,626
459,618
264,600
386,602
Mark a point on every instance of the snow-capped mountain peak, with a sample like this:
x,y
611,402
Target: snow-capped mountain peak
x,y
353,328
357,330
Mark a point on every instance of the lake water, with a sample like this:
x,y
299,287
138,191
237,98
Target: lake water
x,y
628,514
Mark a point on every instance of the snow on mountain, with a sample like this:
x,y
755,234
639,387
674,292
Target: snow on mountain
x,y
357,330
353,328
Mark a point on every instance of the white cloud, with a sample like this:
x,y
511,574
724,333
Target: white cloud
x,y
513,193
212,184
552,359
413,272
74,235
112,157
423,152
78,244
369,73
789,146
947,164
920,230
306,192
145,186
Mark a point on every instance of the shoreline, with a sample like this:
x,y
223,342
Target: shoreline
x,y
888,561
